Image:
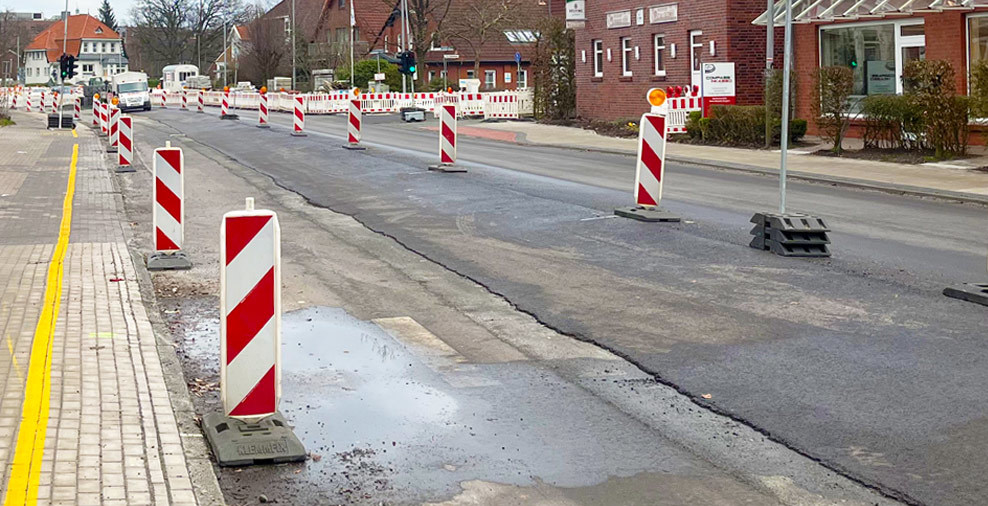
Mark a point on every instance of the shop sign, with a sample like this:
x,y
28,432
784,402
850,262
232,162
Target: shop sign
x,y
718,85
619,19
576,10
667,13
881,77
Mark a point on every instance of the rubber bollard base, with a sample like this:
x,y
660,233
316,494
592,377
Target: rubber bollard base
x,y
111,149
970,292
299,134
238,443
121,169
646,214
263,126
161,261
446,168
229,116
354,147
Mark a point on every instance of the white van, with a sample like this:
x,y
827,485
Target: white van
x,y
176,77
131,88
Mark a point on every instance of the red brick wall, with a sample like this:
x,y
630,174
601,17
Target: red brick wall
x,y
727,22
459,70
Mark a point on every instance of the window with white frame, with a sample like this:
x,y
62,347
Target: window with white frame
x,y
626,56
598,58
471,74
523,79
876,52
490,79
657,54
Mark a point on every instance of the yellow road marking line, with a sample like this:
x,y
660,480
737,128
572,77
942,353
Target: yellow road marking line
x,y
74,134
10,346
25,473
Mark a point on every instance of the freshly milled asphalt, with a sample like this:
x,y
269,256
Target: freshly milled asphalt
x,y
857,360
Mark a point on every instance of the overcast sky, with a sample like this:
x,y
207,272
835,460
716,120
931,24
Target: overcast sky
x,y
55,7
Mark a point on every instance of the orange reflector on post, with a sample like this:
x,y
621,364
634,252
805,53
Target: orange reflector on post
x,y
656,97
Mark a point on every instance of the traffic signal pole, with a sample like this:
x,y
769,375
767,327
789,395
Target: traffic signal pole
x,y
61,76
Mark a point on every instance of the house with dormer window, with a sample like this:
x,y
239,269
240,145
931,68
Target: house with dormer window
x,y
97,48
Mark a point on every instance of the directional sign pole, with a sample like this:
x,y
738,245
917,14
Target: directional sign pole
x,y
786,68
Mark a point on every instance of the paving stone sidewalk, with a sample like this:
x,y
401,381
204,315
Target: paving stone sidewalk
x,y
112,434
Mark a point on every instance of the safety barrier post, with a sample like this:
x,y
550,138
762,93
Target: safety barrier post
x,y
651,164
353,124
262,109
185,100
225,106
77,106
125,152
298,124
168,213
201,101
111,145
447,140
250,345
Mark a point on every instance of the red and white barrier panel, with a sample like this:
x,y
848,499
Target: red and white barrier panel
x,y
164,99
185,100
650,168
125,151
201,101
262,112
651,160
679,111
225,105
502,106
28,106
354,121
250,313
114,128
447,140
44,103
298,124
104,126
77,106
95,112
168,214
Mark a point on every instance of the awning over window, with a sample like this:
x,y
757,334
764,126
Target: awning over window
x,y
810,11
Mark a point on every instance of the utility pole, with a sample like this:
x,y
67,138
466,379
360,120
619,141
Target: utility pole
x,y
293,44
786,68
226,66
404,39
61,80
769,57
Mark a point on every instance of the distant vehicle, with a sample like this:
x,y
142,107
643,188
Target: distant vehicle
x,y
245,86
176,77
131,88
199,83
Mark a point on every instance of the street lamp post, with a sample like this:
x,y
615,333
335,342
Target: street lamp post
x,y
293,44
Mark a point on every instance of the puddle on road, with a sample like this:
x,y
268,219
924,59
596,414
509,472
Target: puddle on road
x,y
390,426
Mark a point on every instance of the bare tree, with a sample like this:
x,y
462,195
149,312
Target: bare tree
x,y
174,31
12,32
481,21
267,53
425,21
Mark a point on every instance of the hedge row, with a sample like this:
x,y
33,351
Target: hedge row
x,y
737,125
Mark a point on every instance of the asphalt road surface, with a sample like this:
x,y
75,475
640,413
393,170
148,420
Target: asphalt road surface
x,y
857,361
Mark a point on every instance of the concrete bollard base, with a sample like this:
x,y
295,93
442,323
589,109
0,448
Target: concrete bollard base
x,y
161,261
647,214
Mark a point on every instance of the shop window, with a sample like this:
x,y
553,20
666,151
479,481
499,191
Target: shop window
x,y
626,50
598,58
977,34
660,48
870,53
490,79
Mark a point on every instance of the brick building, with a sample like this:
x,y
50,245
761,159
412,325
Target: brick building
x,y
877,42
628,46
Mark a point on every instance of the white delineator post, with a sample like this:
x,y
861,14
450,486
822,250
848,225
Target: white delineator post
x,y
95,112
43,106
447,139
298,124
225,109
125,150
250,313
104,128
201,101
650,168
353,124
168,213
262,112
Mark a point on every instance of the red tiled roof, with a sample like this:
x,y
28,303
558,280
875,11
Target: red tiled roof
x,y
81,26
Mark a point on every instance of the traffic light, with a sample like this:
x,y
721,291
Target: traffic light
x,y
406,63
71,67
63,65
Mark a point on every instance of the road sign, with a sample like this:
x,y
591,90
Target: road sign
x,y
379,76
517,57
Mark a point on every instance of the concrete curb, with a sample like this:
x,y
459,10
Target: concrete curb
x,y
901,189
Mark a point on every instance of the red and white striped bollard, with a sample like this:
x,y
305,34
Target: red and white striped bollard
x,y
168,214
262,111
201,101
650,169
185,100
125,149
353,124
298,123
111,145
78,110
447,140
